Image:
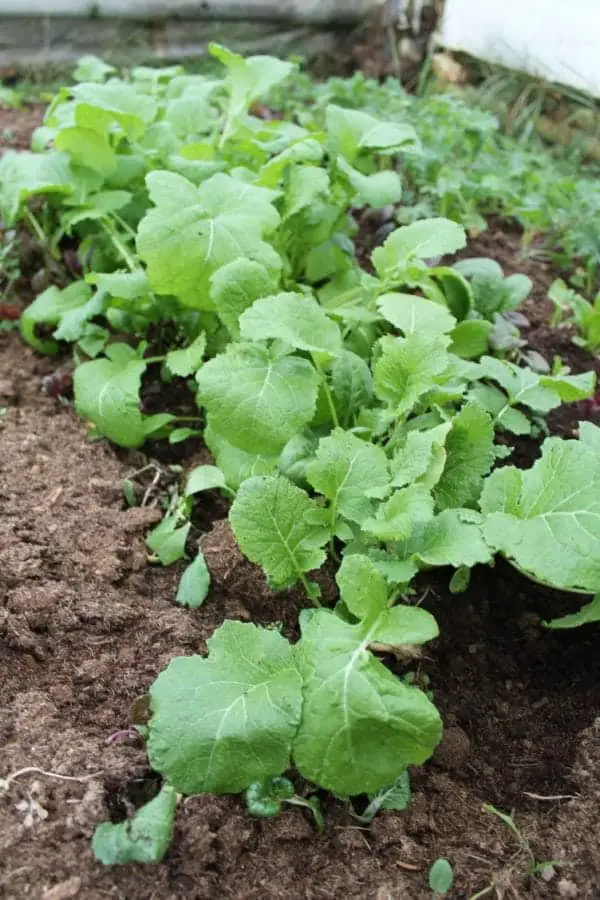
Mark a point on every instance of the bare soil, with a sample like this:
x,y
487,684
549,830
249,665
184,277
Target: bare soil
x,y
86,625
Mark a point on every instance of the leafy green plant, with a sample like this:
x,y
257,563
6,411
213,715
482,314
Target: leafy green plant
x,y
570,308
265,799
351,409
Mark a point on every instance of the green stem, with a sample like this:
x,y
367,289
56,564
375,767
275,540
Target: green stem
x,y
118,244
309,592
35,225
329,398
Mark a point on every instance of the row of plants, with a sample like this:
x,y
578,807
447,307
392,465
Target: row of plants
x,y
360,414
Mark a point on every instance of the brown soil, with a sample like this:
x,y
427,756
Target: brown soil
x,y
16,126
86,625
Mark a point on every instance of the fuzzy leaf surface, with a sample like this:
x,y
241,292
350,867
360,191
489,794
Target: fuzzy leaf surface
x,y
256,400
221,722
547,518
278,526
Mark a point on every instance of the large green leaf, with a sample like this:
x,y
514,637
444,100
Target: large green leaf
x,y
349,472
193,231
408,368
144,838
469,456
295,319
546,519
107,394
360,724
220,723
278,526
256,400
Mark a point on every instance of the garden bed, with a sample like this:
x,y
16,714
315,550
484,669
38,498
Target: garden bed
x,y
87,625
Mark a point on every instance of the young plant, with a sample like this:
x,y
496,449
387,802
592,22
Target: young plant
x,y
570,308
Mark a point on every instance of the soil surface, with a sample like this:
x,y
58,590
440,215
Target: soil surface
x,y
86,624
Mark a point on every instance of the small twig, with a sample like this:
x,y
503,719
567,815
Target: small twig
x,y
124,732
151,487
552,797
30,770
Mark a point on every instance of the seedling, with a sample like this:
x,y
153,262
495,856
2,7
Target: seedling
x,y
266,797
441,878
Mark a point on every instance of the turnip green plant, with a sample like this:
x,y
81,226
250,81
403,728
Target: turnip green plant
x,y
351,408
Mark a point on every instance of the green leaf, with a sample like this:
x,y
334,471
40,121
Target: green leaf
x,y
377,190
98,105
360,723
53,306
23,175
185,362
421,240
546,519
247,80
123,285
588,613
351,131
144,838
92,68
220,723
351,385
407,369
452,538
305,185
469,457
193,231
279,527
421,457
470,338
167,539
194,584
107,393
204,478
415,315
256,400
296,319
265,798
236,464
396,796
349,472
396,519
441,876
234,288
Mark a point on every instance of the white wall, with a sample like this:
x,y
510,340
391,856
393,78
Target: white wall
x,y
559,39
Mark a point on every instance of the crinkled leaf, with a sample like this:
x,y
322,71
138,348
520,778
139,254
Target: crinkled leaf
x,y
407,369
234,288
296,319
194,584
305,184
255,400
222,722
452,538
469,457
193,231
186,361
546,519
107,393
421,457
349,472
279,527
396,519
144,838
